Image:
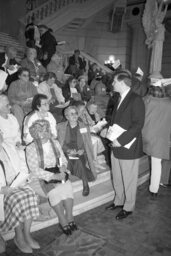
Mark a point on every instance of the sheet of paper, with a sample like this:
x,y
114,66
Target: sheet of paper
x,y
10,72
130,143
3,76
2,216
73,157
97,127
139,71
115,131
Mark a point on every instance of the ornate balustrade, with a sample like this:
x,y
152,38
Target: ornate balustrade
x,y
48,8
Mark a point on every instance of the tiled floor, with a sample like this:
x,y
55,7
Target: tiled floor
x,y
145,233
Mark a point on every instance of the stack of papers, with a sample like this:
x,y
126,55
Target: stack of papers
x,y
98,127
115,131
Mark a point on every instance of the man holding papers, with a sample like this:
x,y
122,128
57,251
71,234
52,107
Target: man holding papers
x,y
126,144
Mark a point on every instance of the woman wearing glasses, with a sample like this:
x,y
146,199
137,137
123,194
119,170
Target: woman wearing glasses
x,y
20,94
40,107
75,140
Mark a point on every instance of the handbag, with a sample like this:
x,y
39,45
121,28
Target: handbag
x,y
47,186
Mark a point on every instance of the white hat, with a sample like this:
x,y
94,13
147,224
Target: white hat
x,y
139,71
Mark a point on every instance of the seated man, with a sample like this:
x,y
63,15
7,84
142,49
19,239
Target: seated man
x,y
75,140
76,65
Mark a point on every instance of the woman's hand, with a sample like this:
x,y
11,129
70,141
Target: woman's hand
x,y
71,152
63,168
52,101
80,152
19,146
59,176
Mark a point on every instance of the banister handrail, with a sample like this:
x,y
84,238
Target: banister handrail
x,y
48,8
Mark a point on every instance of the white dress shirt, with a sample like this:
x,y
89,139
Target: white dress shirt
x,y
123,95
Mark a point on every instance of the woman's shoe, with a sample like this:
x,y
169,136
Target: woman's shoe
x,y
24,249
34,245
73,226
86,191
66,230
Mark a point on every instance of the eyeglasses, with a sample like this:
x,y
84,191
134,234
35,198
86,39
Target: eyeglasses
x,y
73,113
25,75
45,104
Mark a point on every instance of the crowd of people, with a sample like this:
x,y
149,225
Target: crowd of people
x,y
58,119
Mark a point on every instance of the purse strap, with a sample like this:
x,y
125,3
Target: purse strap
x,y
3,168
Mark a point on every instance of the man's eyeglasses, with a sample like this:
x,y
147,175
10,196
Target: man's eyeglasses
x,y
45,104
25,75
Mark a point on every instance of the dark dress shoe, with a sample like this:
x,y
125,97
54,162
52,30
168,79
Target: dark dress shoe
x,y
86,191
122,214
112,206
153,195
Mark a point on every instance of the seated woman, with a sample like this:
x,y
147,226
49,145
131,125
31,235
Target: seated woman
x,y
37,71
20,205
10,130
83,88
40,107
70,91
98,146
75,140
20,94
54,94
48,164
56,66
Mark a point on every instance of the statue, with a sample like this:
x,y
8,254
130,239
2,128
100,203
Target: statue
x,y
154,14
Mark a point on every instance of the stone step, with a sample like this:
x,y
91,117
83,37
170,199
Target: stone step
x,y
100,193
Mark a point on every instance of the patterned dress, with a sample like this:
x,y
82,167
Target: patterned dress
x,y
20,204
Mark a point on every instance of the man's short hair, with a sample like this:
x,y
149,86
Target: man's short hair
x,y
36,102
125,77
77,51
68,109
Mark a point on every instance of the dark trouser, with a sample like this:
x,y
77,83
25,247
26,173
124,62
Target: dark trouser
x,y
165,175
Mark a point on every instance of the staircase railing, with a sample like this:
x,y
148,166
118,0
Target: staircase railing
x,y
45,10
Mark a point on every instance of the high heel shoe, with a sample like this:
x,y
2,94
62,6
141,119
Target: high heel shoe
x,y
66,229
73,226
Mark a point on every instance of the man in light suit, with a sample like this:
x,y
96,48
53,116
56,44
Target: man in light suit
x,y
129,114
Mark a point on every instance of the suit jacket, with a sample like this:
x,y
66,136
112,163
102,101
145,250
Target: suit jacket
x,y
130,115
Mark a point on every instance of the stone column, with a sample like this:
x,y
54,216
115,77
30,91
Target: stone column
x,y
157,53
